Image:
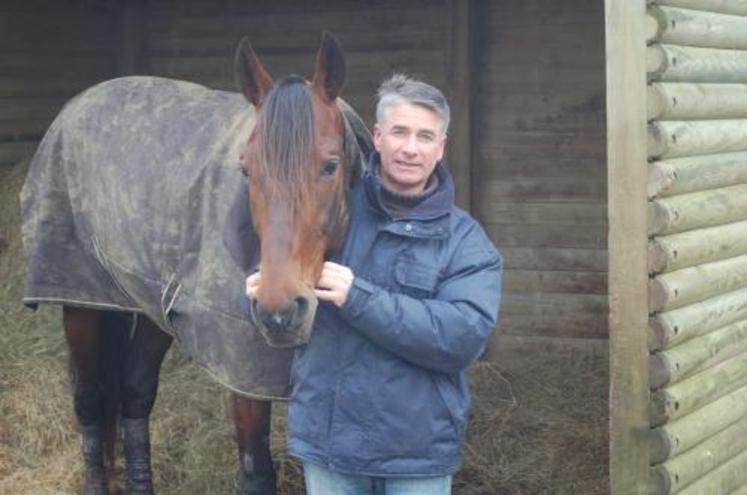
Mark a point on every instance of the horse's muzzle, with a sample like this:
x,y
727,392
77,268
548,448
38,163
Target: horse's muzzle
x,y
287,327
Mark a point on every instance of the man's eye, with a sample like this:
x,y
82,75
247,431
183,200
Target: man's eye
x,y
329,168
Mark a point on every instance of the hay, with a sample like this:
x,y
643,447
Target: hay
x,y
539,426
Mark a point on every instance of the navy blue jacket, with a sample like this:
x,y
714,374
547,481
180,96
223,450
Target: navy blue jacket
x,y
381,388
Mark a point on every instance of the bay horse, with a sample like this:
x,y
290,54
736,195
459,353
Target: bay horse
x,y
136,220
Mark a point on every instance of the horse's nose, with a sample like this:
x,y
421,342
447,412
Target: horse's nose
x,y
285,319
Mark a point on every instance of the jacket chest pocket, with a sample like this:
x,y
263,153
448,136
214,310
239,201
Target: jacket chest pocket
x,y
415,278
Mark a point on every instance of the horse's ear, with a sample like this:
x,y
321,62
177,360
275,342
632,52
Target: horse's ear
x,y
251,78
329,74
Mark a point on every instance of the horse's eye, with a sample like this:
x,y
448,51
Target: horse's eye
x,y
244,171
329,168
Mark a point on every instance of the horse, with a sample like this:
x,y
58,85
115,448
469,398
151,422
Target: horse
x,y
136,220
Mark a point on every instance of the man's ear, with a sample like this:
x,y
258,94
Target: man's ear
x,y
251,78
376,135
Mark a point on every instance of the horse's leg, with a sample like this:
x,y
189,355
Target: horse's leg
x,y
94,372
252,421
139,387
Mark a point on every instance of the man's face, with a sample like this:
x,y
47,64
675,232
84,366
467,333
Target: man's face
x,y
410,141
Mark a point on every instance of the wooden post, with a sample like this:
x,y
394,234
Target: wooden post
x,y
131,38
459,65
626,178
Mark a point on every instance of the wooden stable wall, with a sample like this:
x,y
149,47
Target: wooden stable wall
x,y
49,51
697,107
539,177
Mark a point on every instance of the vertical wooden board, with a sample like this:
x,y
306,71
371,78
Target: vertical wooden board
x,y
626,161
459,68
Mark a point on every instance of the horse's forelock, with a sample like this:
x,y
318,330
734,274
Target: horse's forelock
x,y
287,136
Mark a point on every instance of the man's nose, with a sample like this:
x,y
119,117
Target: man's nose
x,y
411,145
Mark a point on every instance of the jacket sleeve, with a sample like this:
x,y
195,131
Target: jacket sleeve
x,y
445,333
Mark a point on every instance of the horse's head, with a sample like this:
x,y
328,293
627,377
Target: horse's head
x,y
299,175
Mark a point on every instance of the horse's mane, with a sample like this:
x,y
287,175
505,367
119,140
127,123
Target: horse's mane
x,y
286,128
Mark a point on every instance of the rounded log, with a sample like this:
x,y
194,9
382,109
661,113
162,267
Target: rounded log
x,y
682,470
688,27
736,7
674,138
697,247
723,479
698,210
671,328
696,173
684,101
672,63
682,398
678,436
672,365
689,285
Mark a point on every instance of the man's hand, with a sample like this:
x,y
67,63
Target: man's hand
x,y
252,284
334,283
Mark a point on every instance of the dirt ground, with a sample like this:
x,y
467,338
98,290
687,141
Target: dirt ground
x,y
537,427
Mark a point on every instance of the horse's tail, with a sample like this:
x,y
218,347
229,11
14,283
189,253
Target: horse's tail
x,y
114,336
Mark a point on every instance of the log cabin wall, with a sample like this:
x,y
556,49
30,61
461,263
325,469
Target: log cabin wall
x,y
539,178
697,107
49,52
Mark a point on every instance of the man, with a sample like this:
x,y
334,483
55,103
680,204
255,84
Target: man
x,y
380,395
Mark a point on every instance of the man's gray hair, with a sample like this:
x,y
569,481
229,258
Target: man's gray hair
x,y
401,88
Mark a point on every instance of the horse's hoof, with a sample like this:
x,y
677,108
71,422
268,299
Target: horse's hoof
x,y
257,484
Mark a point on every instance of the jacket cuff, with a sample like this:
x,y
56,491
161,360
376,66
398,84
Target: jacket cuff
x,y
358,295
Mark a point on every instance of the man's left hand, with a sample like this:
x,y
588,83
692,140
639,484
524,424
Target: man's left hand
x,y
334,283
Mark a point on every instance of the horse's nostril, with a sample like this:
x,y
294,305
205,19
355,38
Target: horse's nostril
x,y
302,306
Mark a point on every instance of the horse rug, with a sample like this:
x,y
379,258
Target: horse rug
x,y
135,202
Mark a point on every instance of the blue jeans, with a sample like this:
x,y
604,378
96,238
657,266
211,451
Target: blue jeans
x,y
322,481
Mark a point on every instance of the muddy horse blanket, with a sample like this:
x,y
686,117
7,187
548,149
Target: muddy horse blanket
x,y
135,202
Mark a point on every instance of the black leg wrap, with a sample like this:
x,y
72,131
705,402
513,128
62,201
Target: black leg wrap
x,y
256,480
93,460
137,456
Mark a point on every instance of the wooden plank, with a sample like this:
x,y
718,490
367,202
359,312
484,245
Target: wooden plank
x,y
679,325
689,285
670,139
676,473
30,108
80,67
677,436
671,63
626,170
13,152
684,101
698,210
14,85
723,479
552,304
219,32
688,27
697,354
506,349
736,7
130,38
682,398
696,173
546,189
496,211
543,236
562,259
554,281
696,247
586,326
23,129
461,87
